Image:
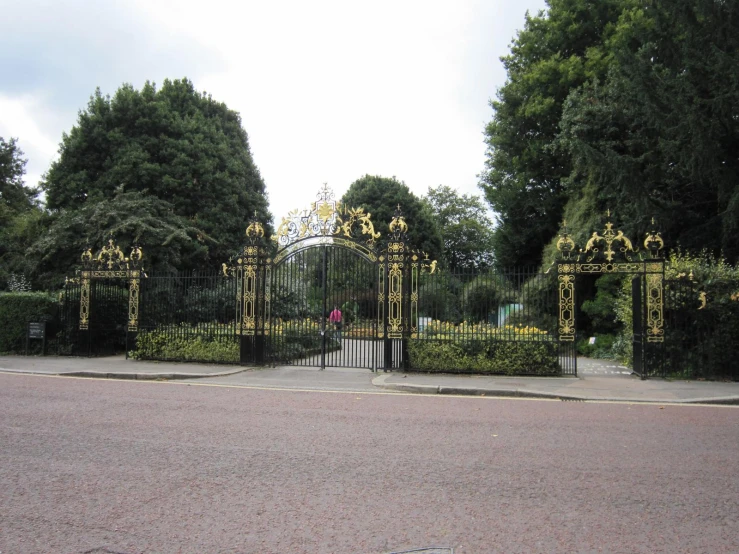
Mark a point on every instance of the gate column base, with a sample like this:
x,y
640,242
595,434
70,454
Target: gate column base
x,y
388,354
131,341
251,350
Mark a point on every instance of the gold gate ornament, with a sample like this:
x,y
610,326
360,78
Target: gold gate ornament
x,y
110,263
611,252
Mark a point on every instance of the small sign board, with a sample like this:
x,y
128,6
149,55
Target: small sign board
x,y
36,330
592,340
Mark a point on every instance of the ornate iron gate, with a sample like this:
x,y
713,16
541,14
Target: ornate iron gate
x,y
613,252
327,257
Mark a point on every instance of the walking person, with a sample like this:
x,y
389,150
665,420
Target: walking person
x,y
335,318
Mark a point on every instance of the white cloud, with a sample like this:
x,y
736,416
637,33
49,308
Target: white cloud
x,y
331,90
19,120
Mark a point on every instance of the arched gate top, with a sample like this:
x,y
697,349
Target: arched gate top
x,y
327,218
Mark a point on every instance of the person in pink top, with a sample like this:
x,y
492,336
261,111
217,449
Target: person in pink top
x,y
335,318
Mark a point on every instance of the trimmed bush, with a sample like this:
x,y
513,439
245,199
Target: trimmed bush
x,y
16,310
162,344
217,343
501,357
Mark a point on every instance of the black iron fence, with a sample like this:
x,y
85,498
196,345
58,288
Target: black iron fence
x,y
502,322
187,317
467,321
702,330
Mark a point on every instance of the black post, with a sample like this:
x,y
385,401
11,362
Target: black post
x,y
388,354
246,349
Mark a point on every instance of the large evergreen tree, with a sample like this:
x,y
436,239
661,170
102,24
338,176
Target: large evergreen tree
x,y
621,105
172,147
556,52
660,135
381,196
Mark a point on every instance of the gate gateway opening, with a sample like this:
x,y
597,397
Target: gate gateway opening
x,y
105,296
328,258
613,252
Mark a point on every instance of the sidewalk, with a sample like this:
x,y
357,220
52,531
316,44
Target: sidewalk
x,y
597,380
113,367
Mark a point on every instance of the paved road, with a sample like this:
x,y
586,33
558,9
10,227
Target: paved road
x,y
111,466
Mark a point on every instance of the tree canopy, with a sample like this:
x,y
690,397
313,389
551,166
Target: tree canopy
x,y
659,136
14,196
620,105
184,155
556,52
465,227
20,215
381,196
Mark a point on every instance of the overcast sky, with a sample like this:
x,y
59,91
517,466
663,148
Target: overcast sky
x,y
328,91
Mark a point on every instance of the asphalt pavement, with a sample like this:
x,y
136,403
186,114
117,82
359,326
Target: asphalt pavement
x,y
112,466
597,380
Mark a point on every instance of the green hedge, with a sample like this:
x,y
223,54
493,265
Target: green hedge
x,y
218,345
16,310
163,345
501,357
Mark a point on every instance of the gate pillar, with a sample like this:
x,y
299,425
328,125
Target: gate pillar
x,y
397,321
252,295
400,271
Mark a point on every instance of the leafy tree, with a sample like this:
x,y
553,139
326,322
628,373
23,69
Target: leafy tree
x,y
483,296
556,52
20,216
466,230
130,217
14,196
659,136
381,196
185,156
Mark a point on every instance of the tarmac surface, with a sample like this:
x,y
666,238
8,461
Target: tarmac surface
x,y
597,380
127,467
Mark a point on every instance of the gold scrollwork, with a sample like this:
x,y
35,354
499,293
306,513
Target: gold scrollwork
x,y
255,229
398,224
703,298
133,301
247,313
606,267
608,239
326,218
565,244
655,308
654,241
395,301
353,216
85,301
566,307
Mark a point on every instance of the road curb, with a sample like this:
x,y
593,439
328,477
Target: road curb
x,y
127,376
519,393
469,391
